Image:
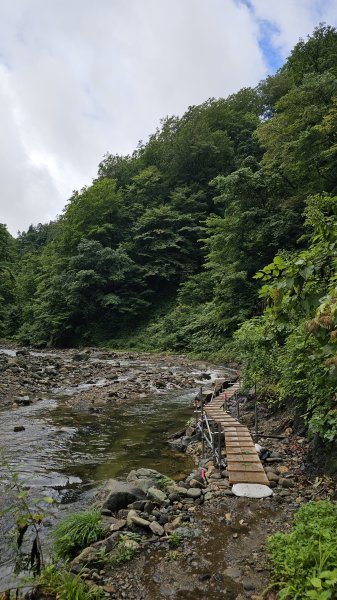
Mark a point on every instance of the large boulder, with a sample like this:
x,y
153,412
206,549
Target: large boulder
x,y
121,494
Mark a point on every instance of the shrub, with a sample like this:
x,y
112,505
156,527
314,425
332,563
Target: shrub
x,y
76,532
126,549
67,586
304,561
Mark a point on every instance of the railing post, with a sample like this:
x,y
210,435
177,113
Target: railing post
x,y
213,443
202,429
256,421
219,446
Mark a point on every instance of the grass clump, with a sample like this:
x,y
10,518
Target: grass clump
x,y
174,539
175,555
67,586
125,550
304,561
76,532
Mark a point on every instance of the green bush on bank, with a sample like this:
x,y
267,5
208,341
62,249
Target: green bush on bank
x,y
77,531
304,561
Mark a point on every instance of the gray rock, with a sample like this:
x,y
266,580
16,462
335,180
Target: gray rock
x,y
134,519
156,528
177,489
121,494
151,473
286,483
117,524
138,505
272,476
194,483
86,556
188,532
193,493
157,496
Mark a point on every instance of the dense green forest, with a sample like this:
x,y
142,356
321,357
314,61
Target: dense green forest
x,y
219,232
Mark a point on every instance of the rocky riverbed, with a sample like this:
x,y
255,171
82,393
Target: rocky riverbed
x,y
88,416
195,539
92,378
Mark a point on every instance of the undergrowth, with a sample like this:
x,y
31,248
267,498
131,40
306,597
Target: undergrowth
x,y
77,531
126,549
304,561
67,586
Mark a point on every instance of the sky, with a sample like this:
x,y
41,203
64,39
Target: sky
x,y
80,78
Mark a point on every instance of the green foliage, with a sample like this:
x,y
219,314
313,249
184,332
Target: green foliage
x,y
174,539
165,483
127,547
168,248
175,555
77,531
7,280
67,586
304,561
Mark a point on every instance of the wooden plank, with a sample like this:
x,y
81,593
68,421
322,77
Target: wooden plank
x,y
243,458
246,467
238,477
243,462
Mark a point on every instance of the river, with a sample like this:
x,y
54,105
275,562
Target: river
x,y
68,453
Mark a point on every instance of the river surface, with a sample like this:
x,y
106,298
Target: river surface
x,y
68,453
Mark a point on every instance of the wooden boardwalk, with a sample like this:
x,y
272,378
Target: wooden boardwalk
x,y
243,462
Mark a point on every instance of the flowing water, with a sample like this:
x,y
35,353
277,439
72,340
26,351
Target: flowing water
x,y
68,453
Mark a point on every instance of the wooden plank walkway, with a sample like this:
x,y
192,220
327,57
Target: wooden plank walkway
x,y
243,462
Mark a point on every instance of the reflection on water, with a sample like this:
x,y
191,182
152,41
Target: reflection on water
x,y
67,453
63,447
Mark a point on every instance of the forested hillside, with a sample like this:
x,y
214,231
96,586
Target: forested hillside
x,y
224,222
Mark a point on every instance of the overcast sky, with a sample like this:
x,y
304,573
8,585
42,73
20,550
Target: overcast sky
x,y
79,78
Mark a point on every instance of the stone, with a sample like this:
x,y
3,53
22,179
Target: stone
x,y
204,576
193,493
286,483
121,494
177,521
177,489
194,483
23,400
232,572
86,556
248,586
138,505
272,476
157,496
156,528
208,496
251,490
117,524
140,522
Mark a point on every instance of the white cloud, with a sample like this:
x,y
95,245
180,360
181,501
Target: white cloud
x,y
294,19
79,78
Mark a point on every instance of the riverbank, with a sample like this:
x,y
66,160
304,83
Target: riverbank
x,y
221,539
92,377
70,420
